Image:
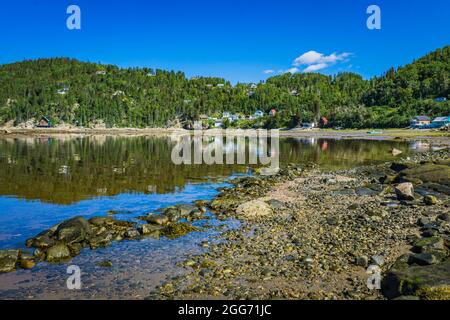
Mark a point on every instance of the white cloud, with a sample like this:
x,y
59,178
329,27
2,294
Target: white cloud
x,y
315,67
314,57
292,70
308,58
313,61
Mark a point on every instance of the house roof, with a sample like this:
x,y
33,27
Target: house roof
x,y
439,119
422,118
45,118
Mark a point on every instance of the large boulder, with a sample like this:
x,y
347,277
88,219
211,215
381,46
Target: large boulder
x,y
73,230
8,260
254,209
405,191
59,252
430,282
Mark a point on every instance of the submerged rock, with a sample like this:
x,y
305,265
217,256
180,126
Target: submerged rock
x,y
176,230
105,264
8,260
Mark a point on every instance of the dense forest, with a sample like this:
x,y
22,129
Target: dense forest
x,y
79,93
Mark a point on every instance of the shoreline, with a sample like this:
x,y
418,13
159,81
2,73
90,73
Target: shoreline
x,y
438,137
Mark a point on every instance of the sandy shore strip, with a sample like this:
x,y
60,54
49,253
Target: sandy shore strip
x,y
436,137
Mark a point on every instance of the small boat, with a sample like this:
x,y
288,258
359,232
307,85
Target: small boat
x,y
375,132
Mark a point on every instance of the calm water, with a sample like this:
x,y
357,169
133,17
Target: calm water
x,y
46,180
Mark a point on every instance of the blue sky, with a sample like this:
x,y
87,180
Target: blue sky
x,y
234,39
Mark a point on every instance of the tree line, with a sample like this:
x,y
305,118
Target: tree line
x,y
80,93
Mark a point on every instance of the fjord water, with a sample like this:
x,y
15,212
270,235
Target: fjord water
x,y
45,180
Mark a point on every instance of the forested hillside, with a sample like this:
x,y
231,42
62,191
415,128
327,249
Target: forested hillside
x,y
79,93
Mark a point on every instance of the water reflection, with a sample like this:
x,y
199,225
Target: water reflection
x,y
68,170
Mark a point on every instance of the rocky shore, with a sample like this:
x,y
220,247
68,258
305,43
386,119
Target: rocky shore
x,y
65,240
308,234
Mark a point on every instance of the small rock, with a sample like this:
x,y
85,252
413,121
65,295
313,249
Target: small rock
x,y
58,252
430,200
148,229
8,260
377,260
332,221
362,261
405,191
158,219
253,209
132,234
424,221
27,263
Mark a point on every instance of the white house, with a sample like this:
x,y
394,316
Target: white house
x,y
258,114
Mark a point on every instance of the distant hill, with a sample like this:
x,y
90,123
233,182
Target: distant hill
x,y
81,93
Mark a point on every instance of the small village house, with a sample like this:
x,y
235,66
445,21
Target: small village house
x,y
440,122
420,121
226,114
258,114
323,122
44,122
308,125
272,112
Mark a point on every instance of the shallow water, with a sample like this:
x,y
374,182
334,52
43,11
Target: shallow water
x,y
45,180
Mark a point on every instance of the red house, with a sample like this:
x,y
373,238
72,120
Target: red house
x,y
323,122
